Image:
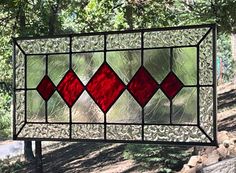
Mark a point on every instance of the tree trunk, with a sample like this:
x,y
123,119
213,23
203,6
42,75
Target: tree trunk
x,y
38,156
28,152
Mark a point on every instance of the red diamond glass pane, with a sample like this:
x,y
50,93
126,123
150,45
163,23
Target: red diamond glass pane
x,y
70,88
142,86
46,88
105,87
171,85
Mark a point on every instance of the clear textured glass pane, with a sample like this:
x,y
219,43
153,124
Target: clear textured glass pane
x,y
35,70
157,62
124,41
185,107
124,132
124,63
206,61
206,110
57,67
20,68
125,110
174,133
57,110
86,110
46,131
46,45
87,43
178,37
86,64
35,107
157,111
185,65
88,131
20,109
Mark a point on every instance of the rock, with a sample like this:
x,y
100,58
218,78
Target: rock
x,y
193,161
232,150
222,151
226,143
192,170
204,158
222,135
233,141
209,150
226,166
212,158
184,169
199,167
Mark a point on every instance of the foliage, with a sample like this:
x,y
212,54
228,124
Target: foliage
x,y
7,167
221,12
224,52
5,116
165,159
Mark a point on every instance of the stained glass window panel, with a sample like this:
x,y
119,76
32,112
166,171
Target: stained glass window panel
x,y
143,86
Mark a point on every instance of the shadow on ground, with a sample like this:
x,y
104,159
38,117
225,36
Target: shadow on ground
x,y
84,157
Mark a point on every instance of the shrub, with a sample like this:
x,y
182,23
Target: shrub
x,y
165,159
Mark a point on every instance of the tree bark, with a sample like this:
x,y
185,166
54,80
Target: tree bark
x,y
38,156
28,152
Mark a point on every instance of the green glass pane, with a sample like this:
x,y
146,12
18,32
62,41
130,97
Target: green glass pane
x,y
35,70
57,110
185,107
157,111
86,110
57,67
35,107
125,110
124,63
185,65
157,62
86,64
